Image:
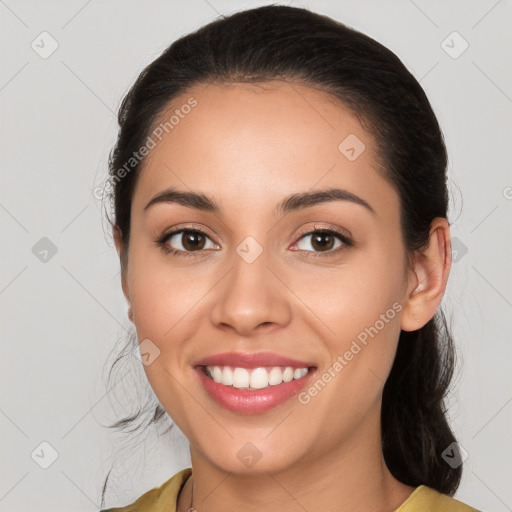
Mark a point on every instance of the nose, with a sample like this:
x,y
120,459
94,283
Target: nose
x,y
251,299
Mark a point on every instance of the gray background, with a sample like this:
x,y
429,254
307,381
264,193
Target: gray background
x,y
62,313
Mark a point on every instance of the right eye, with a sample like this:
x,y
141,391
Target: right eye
x,y
183,241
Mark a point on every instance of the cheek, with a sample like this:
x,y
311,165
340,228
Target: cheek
x,y
355,294
361,305
362,318
161,294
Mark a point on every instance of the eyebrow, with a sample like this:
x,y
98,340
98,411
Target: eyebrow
x,y
294,202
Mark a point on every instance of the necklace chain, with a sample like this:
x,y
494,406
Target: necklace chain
x,y
191,508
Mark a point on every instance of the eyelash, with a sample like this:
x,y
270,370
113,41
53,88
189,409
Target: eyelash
x,y
161,242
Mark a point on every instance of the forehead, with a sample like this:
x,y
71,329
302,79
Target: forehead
x,y
259,142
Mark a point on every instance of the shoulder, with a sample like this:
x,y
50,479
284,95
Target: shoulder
x,y
425,498
158,499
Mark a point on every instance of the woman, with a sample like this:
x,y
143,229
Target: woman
x,y
280,202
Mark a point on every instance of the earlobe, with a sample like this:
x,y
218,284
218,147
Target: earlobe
x,y
118,240
116,233
428,278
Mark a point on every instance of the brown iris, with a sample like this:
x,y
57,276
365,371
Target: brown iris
x,y
323,241
193,240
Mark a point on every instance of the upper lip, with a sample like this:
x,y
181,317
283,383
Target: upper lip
x,y
251,360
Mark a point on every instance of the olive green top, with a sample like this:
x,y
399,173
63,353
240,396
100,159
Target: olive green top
x,y
165,497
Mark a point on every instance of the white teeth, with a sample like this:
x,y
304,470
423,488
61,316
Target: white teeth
x,y
256,378
240,378
288,374
227,376
217,374
259,378
275,376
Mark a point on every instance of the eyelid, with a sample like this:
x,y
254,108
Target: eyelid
x,y
179,228
342,232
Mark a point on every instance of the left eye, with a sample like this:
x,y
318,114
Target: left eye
x,y
321,241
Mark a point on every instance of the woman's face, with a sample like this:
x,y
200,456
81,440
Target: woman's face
x,y
264,277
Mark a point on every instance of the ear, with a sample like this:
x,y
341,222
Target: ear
x,y
428,277
121,251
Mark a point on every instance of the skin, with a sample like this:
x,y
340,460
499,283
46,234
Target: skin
x,y
248,147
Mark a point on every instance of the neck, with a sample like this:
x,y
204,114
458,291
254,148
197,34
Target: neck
x,y
351,477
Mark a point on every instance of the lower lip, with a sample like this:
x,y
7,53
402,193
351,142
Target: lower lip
x,y
252,402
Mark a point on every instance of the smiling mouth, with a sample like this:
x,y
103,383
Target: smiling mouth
x,y
254,378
